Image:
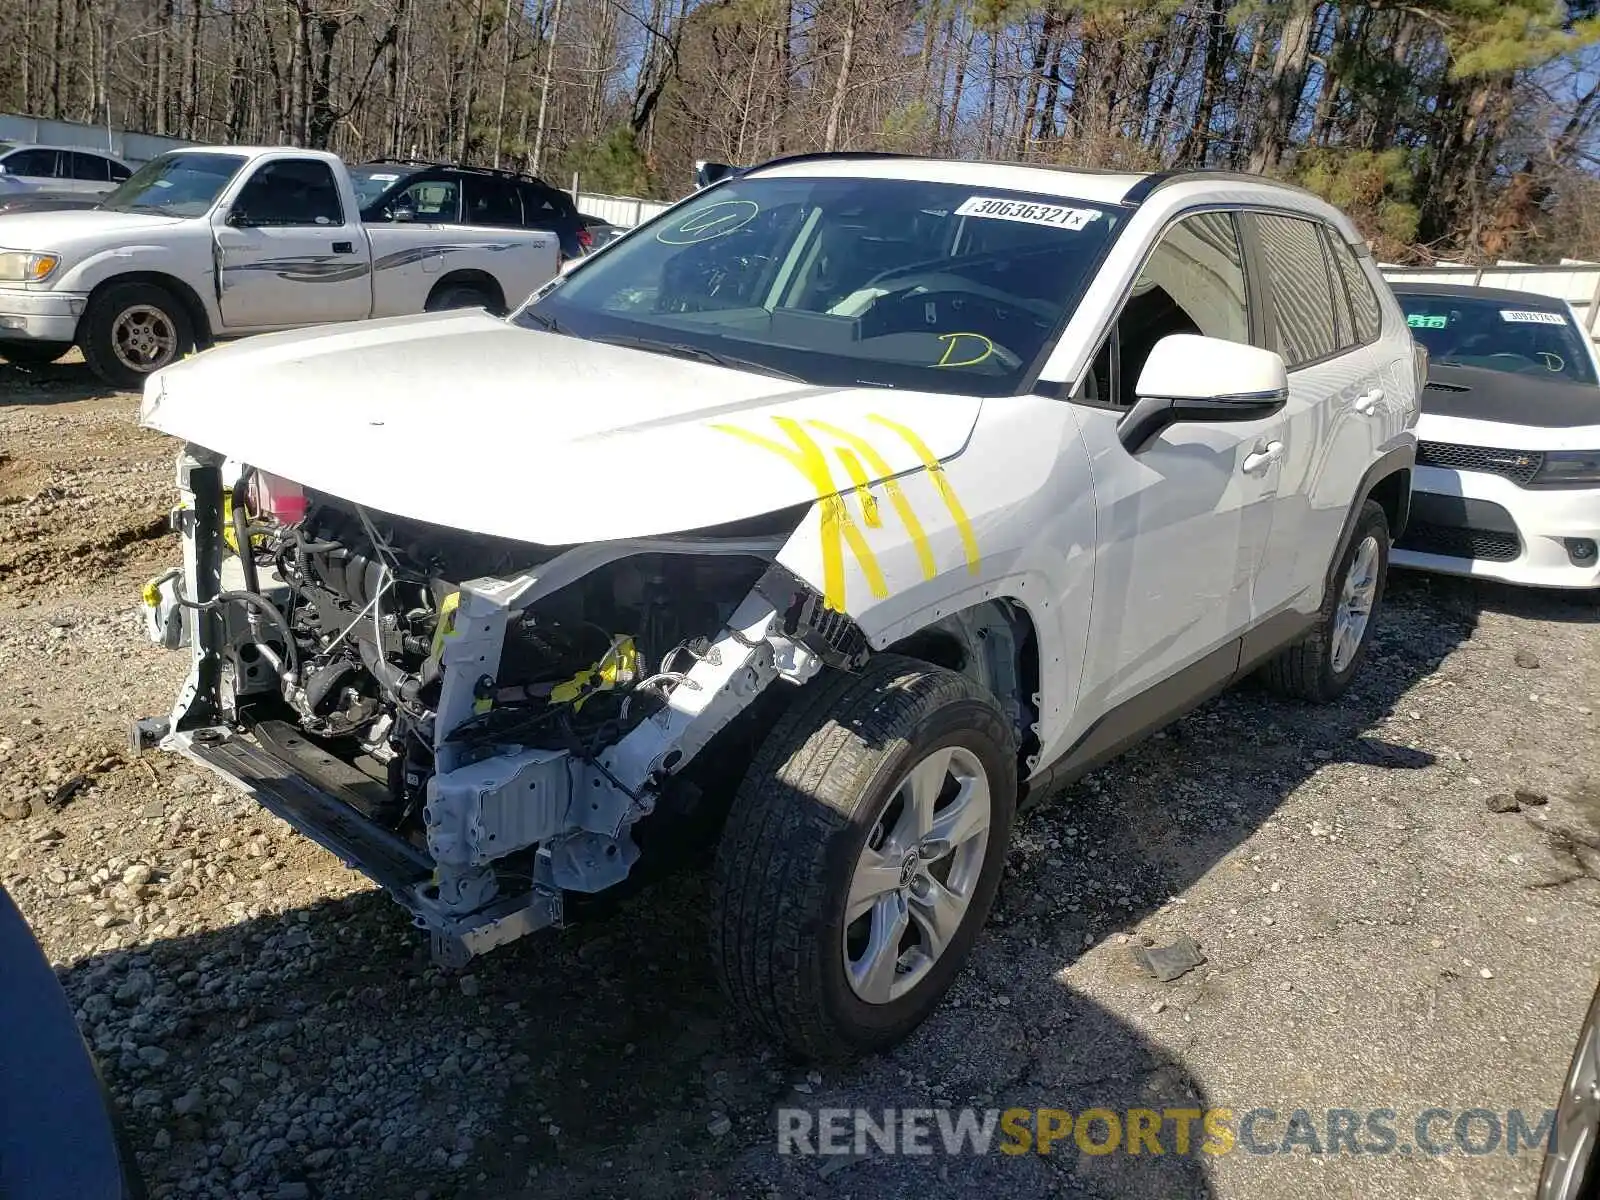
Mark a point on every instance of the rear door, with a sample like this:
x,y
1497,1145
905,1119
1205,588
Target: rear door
x,y
288,252
1335,410
491,200
90,172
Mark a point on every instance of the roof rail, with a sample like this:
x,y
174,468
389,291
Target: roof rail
x,y
1154,182
428,162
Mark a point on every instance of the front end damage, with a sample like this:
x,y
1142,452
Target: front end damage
x,y
482,726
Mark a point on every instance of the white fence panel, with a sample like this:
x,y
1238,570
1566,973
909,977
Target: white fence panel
x,y
626,211
132,148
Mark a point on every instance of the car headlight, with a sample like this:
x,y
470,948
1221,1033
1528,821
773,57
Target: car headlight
x,y
25,266
1569,468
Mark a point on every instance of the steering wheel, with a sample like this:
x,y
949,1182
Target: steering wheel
x,y
962,321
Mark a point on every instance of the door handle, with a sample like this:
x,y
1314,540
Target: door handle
x,y
1260,459
344,248
1367,403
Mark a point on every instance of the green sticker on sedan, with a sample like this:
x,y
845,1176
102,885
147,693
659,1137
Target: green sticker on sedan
x,y
1425,321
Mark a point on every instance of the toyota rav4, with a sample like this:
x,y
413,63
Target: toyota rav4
x,y
821,521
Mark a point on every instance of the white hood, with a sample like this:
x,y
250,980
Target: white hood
x,y
465,421
60,232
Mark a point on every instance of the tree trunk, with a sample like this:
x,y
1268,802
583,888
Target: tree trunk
x,y
963,62
1045,126
505,74
191,86
544,90
1328,97
841,82
475,46
1161,131
1042,48
58,45
321,115
1284,86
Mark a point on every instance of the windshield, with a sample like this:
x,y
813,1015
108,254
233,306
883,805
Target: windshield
x,y
1526,337
879,282
372,182
175,185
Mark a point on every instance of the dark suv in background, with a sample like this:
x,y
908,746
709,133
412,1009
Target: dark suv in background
x,y
438,193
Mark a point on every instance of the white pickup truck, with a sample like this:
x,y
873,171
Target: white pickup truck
x,y
207,243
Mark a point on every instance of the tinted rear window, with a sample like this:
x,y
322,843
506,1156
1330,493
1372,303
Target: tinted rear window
x,y
1302,295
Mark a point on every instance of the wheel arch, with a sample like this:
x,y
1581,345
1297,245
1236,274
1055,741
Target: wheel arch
x,y
1388,482
995,644
474,278
194,308
1393,494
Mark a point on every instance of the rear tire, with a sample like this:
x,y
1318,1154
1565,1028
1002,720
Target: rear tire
x,y
33,354
132,330
1321,667
871,790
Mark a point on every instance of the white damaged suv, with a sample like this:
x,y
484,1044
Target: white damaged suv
x,y
822,520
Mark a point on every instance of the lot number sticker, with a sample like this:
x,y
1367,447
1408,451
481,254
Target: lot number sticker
x,y
998,209
1532,318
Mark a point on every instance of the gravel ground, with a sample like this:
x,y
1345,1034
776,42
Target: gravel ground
x,y
1376,936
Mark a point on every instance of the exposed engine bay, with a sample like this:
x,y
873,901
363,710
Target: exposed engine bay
x,y
476,716
372,600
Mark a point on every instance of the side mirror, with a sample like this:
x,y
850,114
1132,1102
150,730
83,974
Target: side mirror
x,y
1193,378
240,219
569,265
707,173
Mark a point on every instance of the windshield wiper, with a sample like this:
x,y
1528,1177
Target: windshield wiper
x,y
548,324
697,353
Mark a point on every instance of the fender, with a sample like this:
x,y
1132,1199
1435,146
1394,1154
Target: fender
x,y
1389,464
191,266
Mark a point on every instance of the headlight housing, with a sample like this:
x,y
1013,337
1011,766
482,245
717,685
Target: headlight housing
x,y
1568,468
26,266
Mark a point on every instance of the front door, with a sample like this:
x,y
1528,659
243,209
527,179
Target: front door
x,y
287,251
1183,524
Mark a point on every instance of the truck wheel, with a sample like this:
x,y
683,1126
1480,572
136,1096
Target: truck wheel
x,y
458,295
861,856
132,329
1321,667
33,354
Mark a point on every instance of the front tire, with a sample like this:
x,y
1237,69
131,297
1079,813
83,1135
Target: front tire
x,y
132,330
1321,667
862,855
